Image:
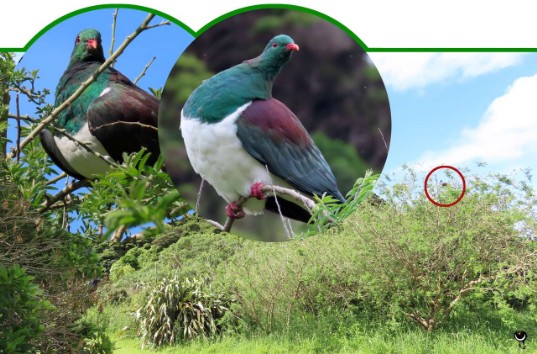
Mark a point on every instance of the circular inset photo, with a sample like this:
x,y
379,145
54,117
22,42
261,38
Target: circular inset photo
x,y
84,99
272,97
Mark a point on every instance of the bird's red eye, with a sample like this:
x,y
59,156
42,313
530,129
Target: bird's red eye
x,y
77,39
274,45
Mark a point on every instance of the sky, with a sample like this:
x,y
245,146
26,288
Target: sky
x,y
461,108
447,108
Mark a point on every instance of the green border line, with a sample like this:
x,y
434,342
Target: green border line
x,y
99,7
287,7
195,34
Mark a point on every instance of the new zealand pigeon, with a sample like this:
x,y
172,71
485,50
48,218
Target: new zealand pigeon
x,y
112,115
239,138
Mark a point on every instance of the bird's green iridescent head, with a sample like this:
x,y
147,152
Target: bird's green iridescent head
x,y
277,53
88,47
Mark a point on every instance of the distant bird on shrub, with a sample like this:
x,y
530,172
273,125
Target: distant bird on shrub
x,y
112,116
239,138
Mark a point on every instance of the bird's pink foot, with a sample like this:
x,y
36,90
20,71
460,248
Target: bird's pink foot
x,y
234,211
256,191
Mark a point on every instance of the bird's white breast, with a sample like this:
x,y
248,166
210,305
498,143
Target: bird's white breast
x,y
216,153
81,160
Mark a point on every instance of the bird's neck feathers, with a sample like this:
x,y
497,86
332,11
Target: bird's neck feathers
x,y
269,69
225,92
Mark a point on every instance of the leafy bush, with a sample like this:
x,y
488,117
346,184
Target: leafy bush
x,y
278,284
61,263
179,310
132,194
21,310
92,327
397,259
193,248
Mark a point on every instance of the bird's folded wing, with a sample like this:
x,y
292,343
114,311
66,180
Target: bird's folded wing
x,y
274,136
124,117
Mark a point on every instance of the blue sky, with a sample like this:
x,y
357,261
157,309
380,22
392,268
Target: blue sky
x,y
461,108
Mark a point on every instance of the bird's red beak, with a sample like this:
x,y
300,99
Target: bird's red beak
x,y
92,43
292,46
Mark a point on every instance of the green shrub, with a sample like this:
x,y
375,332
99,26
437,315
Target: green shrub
x,y
180,309
399,260
21,310
420,261
61,263
278,284
92,327
118,270
198,251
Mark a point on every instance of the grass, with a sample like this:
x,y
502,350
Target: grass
x,y
415,342
320,295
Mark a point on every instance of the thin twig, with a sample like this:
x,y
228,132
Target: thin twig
x,y
25,118
145,69
56,179
67,190
18,127
52,116
106,159
5,99
33,97
288,232
215,224
63,132
163,23
113,41
65,219
199,195
384,140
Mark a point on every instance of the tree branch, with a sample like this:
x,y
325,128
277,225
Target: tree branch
x,y
469,287
56,179
32,96
106,159
52,116
18,127
163,23
145,69
65,191
113,41
273,191
383,140
118,234
26,118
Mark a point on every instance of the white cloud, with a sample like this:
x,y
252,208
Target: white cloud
x,y
405,71
507,131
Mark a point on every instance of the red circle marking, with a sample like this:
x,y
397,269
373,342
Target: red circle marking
x,y
434,201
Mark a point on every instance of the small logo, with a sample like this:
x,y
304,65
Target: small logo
x,y
521,337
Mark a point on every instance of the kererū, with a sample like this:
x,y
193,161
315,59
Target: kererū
x,y
239,138
112,116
